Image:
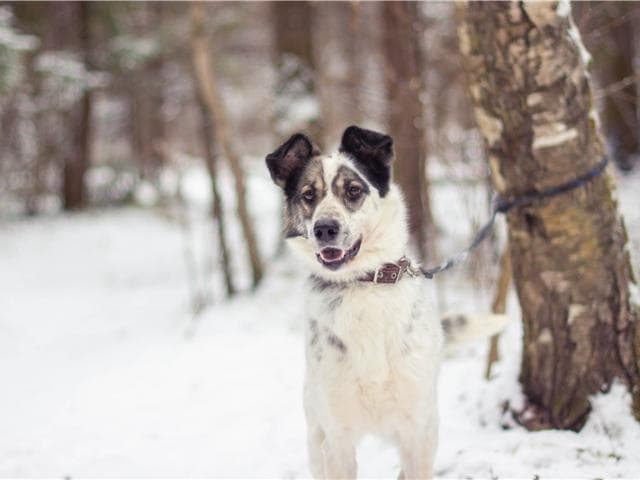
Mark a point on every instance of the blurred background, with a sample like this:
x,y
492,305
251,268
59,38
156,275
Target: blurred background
x,y
136,210
108,105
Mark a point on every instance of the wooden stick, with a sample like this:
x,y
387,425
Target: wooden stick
x,y
499,306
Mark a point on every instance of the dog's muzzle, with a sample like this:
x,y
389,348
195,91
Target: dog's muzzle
x,y
333,258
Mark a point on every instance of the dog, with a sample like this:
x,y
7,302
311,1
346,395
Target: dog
x,y
373,347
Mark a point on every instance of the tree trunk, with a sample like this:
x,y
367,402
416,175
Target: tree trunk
x,y
147,126
339,55
569,253
152,85
404,85
77,158
211,161
609,36
293,24
205,77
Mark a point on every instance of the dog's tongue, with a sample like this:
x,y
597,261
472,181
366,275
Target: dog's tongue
x,y
329,254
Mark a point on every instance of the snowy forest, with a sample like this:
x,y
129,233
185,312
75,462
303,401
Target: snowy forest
x,y
150,312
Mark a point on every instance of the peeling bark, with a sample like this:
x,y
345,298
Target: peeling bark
x,y
571,267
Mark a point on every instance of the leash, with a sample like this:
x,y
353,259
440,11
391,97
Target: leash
x,y
503,205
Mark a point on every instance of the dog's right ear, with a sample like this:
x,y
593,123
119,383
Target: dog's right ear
x,y
289,159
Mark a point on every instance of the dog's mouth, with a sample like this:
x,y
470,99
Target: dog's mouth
x,y
333,258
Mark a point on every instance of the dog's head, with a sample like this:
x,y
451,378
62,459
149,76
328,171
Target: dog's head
x,y
343,214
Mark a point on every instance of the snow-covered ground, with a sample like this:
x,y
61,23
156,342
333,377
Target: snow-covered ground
x,y
104,372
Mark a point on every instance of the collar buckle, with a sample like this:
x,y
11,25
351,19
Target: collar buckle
x,y
389,273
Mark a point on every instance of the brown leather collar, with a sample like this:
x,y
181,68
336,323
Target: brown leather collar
x,y
390,272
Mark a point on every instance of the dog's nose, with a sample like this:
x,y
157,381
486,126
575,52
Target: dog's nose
x,y
326,230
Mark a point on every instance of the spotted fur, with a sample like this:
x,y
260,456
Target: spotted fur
x,y
373,351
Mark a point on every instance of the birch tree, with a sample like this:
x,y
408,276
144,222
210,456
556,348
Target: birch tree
x,y
571,265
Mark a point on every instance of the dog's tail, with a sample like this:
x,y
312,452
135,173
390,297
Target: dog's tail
x,y
461,328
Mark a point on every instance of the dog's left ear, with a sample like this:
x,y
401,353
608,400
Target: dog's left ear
x,y
372,153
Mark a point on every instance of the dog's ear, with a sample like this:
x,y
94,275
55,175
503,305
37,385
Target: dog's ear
x,y
372,153
289,159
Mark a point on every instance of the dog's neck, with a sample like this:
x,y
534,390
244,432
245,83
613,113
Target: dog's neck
x,y
387,273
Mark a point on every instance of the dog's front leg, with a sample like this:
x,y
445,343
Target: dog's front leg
x,y
417,453
315,440
339,454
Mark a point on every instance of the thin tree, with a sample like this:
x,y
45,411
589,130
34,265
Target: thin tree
x,y
499,306
144,85
571,266
403,68
206,78
77,155
217,209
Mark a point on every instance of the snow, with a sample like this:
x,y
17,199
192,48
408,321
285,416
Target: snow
x,y
10,38
13,46
564,8
66,76
105,371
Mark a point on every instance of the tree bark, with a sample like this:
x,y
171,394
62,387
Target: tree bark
x,y
571,265
77,158
205,77
405,84
339,55
147,126
293,25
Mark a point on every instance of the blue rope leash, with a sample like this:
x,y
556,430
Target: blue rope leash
x,y
503,205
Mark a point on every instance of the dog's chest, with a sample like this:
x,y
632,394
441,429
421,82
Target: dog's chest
x,y
368,335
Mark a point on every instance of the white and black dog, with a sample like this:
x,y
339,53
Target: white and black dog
x,y
373,348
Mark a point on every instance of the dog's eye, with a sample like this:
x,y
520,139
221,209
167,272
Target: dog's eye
x,y
354,191
309,195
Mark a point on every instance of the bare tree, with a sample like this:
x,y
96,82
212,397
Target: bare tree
x,y
144,87
405,84
77,154
571,265
206,79
609,34
294,60
340,55
211,161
